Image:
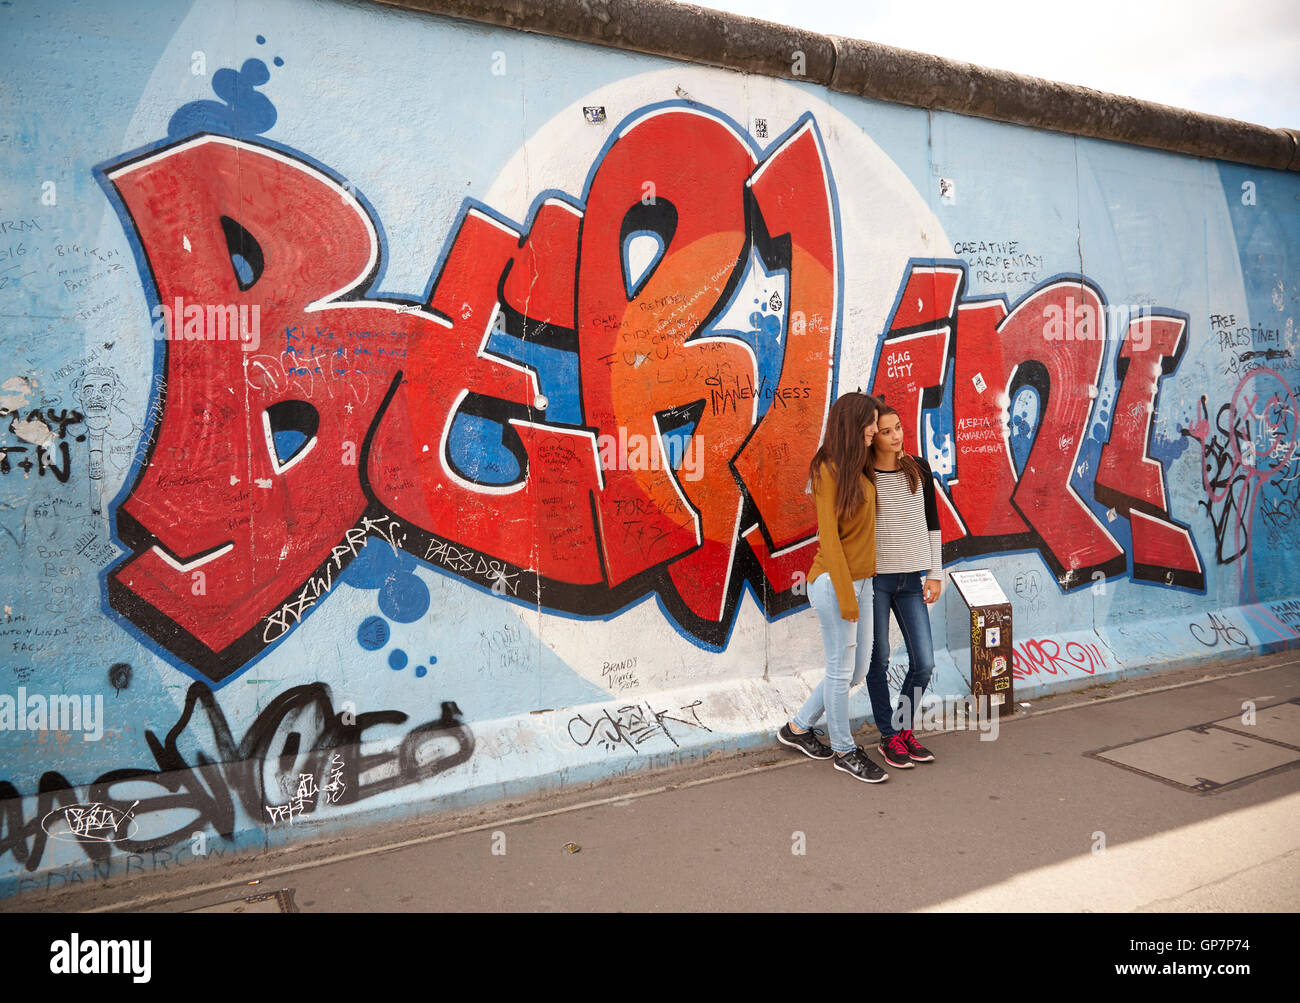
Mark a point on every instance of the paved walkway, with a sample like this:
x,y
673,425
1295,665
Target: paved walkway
x,y
1033,820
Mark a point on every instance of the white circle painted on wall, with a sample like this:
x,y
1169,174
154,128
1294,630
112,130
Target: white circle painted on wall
x,y
883,222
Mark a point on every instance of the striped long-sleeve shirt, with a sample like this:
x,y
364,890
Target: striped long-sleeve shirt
x,y
907,525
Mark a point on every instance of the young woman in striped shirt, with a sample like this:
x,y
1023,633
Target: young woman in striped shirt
x,y
909,575
839,583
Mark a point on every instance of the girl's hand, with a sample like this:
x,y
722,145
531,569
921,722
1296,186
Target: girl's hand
x,y
930,592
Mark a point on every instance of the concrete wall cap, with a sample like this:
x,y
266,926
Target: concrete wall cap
x,y
871,70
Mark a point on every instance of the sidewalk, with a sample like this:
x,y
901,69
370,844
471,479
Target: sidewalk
x,y
1026,822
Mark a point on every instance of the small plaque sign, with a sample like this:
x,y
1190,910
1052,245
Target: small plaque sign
x,y
990,635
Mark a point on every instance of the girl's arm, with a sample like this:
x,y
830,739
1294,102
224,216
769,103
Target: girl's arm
x,y
934,578
828,539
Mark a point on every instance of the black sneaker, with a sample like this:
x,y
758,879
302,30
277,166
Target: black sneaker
x,y
894,752
807,743
858,766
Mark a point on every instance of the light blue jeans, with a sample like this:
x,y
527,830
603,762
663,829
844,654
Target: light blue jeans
x,y
848,653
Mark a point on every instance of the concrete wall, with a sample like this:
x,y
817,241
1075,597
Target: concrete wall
x,y
402,412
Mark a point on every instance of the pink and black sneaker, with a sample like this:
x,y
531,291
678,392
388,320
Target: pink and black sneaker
x,y
894,752
916,752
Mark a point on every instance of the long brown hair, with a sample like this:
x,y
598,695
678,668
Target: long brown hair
x,y
905,463
845,451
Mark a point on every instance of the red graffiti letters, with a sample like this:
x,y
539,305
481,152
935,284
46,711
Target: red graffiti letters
x,y
1032,657
269,469
1128,478
574,416
1052,341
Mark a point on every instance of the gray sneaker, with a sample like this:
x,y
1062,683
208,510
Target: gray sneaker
x,y
807,743
858,766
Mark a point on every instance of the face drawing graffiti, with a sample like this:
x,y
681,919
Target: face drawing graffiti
x,y
97,392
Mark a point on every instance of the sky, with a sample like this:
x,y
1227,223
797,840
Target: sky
x,y
1238,60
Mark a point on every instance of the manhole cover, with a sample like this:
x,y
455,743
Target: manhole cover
x,y
1211,757
1279,723
280,901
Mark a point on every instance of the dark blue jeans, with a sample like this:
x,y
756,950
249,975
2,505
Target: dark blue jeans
x,y
900,594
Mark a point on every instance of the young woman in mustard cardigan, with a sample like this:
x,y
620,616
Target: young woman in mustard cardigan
x,y
839,583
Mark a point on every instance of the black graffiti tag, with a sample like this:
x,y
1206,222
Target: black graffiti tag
x,y
298,732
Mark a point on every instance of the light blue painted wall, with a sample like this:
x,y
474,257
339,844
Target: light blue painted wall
x,y
419,117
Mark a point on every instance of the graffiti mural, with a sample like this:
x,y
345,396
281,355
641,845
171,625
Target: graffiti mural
x,y
1250,464
394,404
298,734
1052,341
364,423
377,441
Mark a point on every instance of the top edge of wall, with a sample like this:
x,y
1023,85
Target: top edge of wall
x,y
868,69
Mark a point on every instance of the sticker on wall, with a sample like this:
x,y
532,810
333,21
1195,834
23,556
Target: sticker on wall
x,y
947,191
594,113
760,128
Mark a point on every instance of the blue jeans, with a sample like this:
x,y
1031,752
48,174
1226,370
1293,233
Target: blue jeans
x,y
901,594
848,649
